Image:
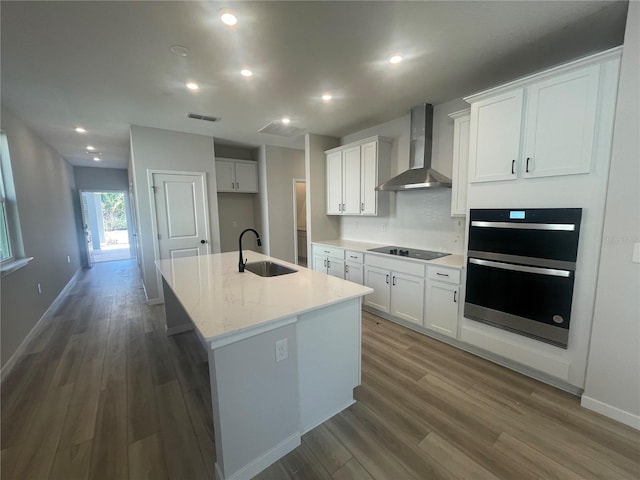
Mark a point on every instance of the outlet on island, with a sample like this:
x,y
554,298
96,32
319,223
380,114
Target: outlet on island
x,y
282,353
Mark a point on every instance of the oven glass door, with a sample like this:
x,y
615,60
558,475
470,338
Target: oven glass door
x,y
531,300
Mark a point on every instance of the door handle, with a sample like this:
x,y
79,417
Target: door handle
x,y
455,293
387,279
203,241
513,167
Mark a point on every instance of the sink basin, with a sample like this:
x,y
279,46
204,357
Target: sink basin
x,y
267,268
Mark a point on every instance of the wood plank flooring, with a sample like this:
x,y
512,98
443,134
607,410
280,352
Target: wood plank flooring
x,y
102,393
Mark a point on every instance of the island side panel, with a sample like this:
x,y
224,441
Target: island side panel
x,y
255,403
329,342
177,319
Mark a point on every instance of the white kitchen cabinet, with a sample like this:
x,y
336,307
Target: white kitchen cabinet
x,y
238,176
398,287
461,123
329,260
353,172
540,126
354,266
443,300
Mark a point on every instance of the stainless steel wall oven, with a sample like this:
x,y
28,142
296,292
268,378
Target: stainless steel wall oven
x,y
521,270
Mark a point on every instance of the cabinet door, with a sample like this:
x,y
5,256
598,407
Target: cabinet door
x,y
335,267
442,308
560,124
369,178
320,263
354,272
247,177
379,280
334,183
494,145
351,181
460,165
407,297
225,176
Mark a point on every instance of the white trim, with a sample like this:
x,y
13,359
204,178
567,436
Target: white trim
x,y
331,415
187,327
257,465
610,411
6,369
11,266
236,336
153,301
154,218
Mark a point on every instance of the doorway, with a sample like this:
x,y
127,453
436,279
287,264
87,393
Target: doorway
x,y
300,221
105,217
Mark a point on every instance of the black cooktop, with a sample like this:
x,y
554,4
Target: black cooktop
x,y
409,252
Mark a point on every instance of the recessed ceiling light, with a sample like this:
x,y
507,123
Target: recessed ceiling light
x,y
286,120
227,17
80,130
91,148
193,86
179,50
395,59
326,98
245,72
96,159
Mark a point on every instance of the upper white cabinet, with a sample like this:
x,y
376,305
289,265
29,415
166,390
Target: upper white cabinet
x,y
353,172
240,176
461,122
543,125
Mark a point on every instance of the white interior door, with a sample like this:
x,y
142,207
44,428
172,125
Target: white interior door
x,y
181,214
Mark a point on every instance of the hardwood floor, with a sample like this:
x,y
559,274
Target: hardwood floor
x,y
101,392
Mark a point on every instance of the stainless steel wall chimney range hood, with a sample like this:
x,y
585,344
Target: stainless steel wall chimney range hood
x,y
420,174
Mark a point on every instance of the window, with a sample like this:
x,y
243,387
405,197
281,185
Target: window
x,y
5,240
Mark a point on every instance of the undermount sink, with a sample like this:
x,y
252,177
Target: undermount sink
x,y
267,268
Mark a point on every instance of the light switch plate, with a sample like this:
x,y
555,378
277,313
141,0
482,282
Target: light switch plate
x,y
635,258
282,352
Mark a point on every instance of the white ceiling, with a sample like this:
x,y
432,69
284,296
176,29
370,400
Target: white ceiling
x,y
107,65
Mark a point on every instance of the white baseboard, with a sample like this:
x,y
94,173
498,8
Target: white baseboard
x,y
257,465
6,369
610,411
155,301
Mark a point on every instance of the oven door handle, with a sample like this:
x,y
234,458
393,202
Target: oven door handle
x,y
563,227
521,268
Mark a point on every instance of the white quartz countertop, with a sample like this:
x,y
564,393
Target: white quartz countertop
x,y
222,301
453,260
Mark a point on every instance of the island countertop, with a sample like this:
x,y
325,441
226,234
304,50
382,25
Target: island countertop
x,y
222,302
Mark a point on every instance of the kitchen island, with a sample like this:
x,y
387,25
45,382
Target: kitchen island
x,y
284,351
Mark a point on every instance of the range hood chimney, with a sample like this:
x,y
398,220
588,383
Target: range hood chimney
x,y
420,174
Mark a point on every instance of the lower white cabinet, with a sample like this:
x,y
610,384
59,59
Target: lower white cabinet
x,y
397,293
354,266
329,260
443,299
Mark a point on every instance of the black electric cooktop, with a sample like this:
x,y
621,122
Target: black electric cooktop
x,y
409,252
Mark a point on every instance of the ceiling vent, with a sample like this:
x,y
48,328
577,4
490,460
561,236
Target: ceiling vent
x,y
206,118
277,128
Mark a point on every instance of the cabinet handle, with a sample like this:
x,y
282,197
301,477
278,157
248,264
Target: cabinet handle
x,y
353,256
442,274
328,263
527,167
455,293
393,281
513,167
362,207
233,186
346,269
343,206
339,207
325,263
387,279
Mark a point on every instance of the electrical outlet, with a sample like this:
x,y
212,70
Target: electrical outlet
x,y
635,258
39,289
384,227
234,224
282,352
68,259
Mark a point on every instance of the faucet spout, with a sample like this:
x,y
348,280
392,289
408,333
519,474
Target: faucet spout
x,y
241,261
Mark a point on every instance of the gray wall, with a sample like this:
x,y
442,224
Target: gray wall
x,y
278,167
613,378
101,179
236,211
45,191
153,148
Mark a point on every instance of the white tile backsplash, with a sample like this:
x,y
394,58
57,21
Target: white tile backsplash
x,y
419,219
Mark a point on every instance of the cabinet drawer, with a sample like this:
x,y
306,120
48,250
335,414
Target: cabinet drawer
x,y
402,266
355,257
328,251
449,275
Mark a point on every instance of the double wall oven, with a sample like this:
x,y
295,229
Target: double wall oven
x,y
521,270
